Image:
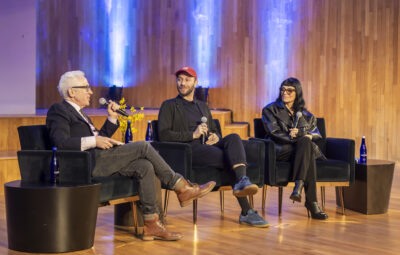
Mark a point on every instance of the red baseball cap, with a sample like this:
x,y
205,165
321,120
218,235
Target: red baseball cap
x,y
187,69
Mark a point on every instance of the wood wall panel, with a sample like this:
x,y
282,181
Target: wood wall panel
x,y
345,52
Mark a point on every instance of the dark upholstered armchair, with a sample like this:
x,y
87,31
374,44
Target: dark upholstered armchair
x,y
337,171
75,168
179,157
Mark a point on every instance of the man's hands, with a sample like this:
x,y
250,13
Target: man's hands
x,y
201,129
212,139
111,108
103,142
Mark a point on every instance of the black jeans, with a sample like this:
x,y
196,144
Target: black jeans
x,y
141,161
229,151
301,154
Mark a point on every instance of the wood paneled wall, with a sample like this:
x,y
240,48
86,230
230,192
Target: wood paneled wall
x,y
345,52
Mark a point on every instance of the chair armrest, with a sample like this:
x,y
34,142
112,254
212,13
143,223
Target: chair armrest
x,y
74,166
255,156
270,161
177,155
342,149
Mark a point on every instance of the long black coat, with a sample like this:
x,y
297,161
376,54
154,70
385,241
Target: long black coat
x,y
277,122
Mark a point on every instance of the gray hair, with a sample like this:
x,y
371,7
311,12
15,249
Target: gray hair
x,y
67,81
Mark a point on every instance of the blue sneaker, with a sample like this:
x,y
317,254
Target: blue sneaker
x,y
244,188
253,219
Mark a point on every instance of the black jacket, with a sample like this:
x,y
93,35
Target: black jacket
x,y
66,127
277,122
173,123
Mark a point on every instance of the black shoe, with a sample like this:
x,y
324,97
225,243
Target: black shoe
x,y
316,212
296,194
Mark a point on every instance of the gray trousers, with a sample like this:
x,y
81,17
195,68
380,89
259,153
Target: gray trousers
x,y
141,161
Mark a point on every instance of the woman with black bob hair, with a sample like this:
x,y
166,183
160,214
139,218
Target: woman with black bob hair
x,y
293,129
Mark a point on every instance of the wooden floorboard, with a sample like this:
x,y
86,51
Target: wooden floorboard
x,y
293,233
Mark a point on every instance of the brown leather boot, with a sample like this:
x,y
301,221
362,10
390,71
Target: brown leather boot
x,y
187,192
155,230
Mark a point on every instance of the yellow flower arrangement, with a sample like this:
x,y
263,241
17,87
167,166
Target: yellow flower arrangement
x,y
133,117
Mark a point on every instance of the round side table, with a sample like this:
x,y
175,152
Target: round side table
x,y
50,218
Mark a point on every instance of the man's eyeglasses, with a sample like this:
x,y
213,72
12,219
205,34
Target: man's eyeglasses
x,y
288,91
83,87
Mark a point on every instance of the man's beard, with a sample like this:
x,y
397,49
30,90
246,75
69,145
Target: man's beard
x,y
187,93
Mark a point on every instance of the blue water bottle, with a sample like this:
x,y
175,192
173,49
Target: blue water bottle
x,y
149,132
363,152
54,170
128,133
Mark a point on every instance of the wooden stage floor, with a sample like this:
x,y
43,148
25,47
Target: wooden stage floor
x,y
293,233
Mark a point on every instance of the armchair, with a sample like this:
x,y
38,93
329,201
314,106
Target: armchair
x,y
179,157
337,171
75,168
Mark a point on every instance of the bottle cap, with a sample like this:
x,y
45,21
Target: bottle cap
x,y
363,137
54,148
149,121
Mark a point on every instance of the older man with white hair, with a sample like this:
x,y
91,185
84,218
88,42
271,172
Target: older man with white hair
x,y
71,129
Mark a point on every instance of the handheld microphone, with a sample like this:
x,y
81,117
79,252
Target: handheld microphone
x,y
102,101
296,121
203,137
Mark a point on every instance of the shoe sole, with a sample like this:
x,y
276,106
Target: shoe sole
x,y
295,199
257,226
249,190
205,192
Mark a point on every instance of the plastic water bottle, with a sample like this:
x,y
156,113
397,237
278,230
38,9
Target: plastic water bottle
x,y
128,133
363,152
149,132
54,170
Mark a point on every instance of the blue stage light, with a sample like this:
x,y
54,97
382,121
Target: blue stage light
x,y
121,23
277,20
205,22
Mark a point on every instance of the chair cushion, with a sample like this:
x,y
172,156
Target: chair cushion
x,y
333,171
116,186
327,171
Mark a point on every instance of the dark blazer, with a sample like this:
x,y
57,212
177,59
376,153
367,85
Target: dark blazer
x,y
277,122
66,127
173,123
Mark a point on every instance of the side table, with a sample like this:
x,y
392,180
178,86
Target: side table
x,y
370,193
45,218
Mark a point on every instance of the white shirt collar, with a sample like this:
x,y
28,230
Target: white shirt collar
x,y
76,107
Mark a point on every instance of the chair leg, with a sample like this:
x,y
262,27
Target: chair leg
x,y
341,197
194,212
264,197
323,197
138,230
251,201
221,200
166,198
280,193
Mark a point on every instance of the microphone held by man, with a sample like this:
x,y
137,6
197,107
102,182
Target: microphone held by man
x,y
103,101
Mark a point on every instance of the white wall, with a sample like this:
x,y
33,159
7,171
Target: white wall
x,y
17,56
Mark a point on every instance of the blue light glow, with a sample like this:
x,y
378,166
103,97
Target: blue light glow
x,y
205,23
121,21
277,20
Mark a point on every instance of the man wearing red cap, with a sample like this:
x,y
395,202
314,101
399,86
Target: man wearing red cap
x,y
181,119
